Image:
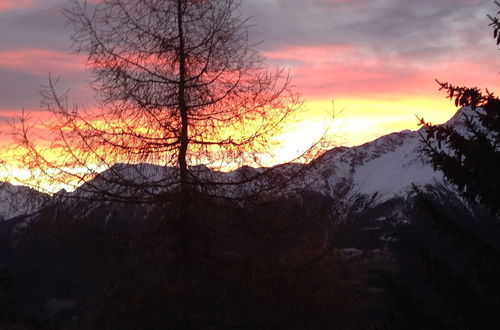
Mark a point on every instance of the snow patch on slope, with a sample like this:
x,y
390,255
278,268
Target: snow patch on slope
x,y
393,173
18,200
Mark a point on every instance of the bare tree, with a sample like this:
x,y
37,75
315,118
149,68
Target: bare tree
x,y
178,85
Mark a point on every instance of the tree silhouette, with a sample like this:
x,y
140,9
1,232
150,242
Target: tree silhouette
x,y
465,280
178,85
495,23
179,88
460,152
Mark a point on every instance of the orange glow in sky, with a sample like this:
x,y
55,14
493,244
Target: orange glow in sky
x,y
377,60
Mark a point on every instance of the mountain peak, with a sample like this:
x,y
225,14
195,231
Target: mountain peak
x,y
463,113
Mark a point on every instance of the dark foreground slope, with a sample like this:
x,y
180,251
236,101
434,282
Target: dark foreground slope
x,y
262,268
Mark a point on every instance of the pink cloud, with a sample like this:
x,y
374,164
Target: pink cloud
x,y
310,54
40,61
6,5
349,72
336,1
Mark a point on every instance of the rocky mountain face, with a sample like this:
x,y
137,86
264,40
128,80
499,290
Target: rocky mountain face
x,y
16,201
362,199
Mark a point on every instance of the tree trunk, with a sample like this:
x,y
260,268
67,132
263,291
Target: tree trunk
x,y
183,218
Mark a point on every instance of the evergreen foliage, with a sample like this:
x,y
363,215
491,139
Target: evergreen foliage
x,y
470,159
468,154
495,22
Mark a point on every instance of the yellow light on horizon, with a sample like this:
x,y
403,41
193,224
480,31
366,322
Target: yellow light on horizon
x,y
352,122
357,121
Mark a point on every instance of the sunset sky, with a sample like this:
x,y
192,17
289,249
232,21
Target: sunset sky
x,y
377,59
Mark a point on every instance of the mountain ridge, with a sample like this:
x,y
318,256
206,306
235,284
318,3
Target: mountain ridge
x,y
384,168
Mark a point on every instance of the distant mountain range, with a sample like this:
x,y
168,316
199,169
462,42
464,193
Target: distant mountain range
x,y
369,193
386,168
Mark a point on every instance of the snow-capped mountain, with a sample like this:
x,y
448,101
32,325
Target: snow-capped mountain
x,y
387,167
18,200
380,170
384,168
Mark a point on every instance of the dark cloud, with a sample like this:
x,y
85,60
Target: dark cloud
x,y
40,26
18,90
41,37
390,46
426,28
414,32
